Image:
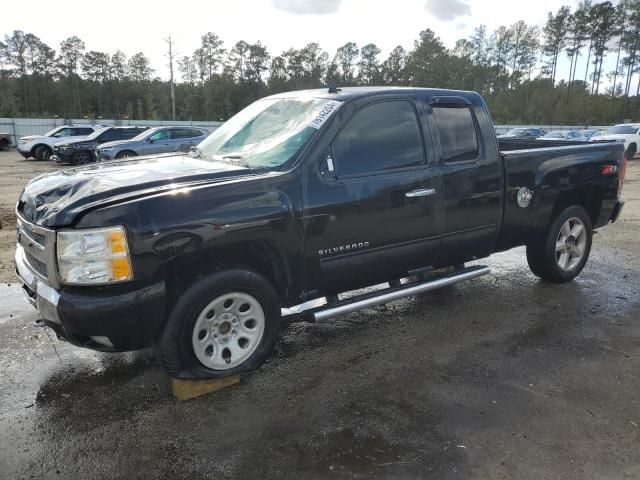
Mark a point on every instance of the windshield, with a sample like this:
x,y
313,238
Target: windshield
x,y
516,131
144,134
97,133
51,133
268,133
621,129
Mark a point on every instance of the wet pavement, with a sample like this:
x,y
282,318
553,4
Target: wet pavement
x,y
502,377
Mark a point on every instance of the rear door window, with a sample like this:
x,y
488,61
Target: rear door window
x,y
380,137
457,132
183,133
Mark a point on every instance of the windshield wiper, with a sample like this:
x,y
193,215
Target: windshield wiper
x,y
234,156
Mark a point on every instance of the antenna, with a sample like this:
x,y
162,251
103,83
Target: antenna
x,y
333,88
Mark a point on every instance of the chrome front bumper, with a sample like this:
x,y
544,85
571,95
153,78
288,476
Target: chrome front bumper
x,y
40,295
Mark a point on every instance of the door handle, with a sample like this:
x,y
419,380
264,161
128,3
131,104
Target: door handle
x,y
421,192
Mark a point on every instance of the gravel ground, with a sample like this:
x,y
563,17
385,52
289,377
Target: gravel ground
x,y
503,377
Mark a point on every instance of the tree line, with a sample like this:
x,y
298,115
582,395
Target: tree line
x,y
517,68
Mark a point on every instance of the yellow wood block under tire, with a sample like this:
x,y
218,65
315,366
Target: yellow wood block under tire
x,y
188,389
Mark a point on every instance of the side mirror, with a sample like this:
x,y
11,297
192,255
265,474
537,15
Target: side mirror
x,y
151,140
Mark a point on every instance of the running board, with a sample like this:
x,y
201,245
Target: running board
x,y
390,294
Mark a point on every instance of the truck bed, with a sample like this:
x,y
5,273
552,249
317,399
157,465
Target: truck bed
x,y
550,170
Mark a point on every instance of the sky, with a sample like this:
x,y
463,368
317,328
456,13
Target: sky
x,y
138,25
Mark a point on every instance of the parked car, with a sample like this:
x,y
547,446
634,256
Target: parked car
x,y
41,146
523,133
5,141
568,135
597,135
588,133
80,152
628,133
155,140
301,196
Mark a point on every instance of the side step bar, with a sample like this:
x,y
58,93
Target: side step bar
x,y
390,294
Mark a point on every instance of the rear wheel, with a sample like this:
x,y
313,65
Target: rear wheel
x,y
125,154
42,152
4,145
561,254
224,324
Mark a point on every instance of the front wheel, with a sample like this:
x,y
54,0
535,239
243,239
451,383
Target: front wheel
x,y
560,255
81,158
222,325
42,153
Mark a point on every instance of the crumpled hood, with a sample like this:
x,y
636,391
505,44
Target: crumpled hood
x,y
74,141
55,199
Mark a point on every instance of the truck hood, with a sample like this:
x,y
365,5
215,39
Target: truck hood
x,y
615,136
55,199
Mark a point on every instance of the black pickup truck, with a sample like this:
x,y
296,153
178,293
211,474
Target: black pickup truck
x,y
301,196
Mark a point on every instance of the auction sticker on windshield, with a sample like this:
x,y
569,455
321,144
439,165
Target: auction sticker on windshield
x,y
324,113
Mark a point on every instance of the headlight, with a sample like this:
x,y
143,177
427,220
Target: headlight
x,y
93,256
108,149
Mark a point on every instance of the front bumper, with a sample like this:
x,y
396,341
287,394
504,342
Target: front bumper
x,y
102,155
24,150
62,156
118,318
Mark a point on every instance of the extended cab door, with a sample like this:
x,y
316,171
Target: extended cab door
x,y
372,213
471,179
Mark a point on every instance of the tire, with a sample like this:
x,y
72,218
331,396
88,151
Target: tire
x,y
42,152
187,341
562,252
126,154
630,152
81,158
4,145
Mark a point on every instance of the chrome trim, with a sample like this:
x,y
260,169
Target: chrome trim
x,y
40,295
421,192
44,253
467,274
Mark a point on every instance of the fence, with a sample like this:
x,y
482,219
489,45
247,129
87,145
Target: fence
x,y
20,127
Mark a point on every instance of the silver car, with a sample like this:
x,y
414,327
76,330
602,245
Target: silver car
x,y
153,141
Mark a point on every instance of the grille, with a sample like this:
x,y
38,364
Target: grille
x,y
37,265
37,237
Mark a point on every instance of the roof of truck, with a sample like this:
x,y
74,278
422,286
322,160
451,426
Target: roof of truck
x,y
348,93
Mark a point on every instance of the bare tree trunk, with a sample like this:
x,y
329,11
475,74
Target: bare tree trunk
x,y
171,82
586,72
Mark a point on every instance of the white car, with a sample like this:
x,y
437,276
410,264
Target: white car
x,y
41,146
569,135
629,133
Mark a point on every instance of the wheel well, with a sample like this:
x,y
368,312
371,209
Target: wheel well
x,y
4,141
126,151
35,147
259,257
588,198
